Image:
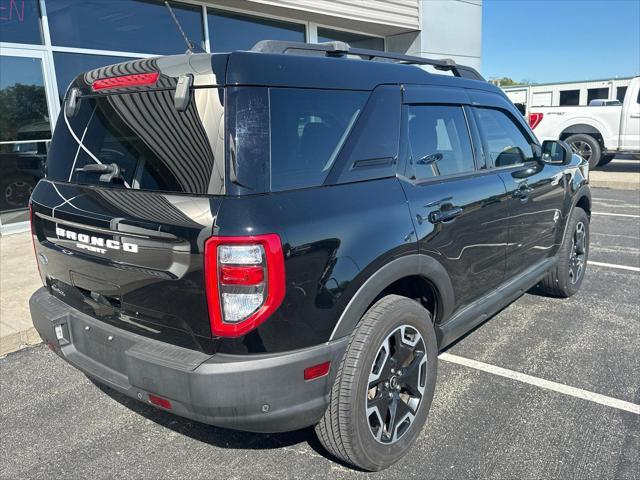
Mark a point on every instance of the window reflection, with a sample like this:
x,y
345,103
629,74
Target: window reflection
x,y
20,21
355,40
23,106
123,25
231,31
24,134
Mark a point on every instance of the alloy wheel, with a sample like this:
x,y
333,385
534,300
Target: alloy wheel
x,y
583,149
578,253
396,384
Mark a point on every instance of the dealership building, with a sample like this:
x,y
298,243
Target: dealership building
x,y
44,44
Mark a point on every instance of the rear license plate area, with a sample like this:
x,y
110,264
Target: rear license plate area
x,y
100,344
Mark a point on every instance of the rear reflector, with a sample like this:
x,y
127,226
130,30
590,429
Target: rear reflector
x,y
241,275
159,401
137,80
317,371
535,119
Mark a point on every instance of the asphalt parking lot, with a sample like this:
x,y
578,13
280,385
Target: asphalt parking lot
x,y
574,414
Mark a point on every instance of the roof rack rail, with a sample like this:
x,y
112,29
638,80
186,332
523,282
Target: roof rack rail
x,y
342,49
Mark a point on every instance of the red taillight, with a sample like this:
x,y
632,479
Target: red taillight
x,y
317,371
244,281
241,275
535,119
137,80
159,401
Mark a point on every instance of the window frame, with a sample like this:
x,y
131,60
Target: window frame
x,y
406,168
485,146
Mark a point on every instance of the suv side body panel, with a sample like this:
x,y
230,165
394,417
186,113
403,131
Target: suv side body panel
x,y
472,246
333,238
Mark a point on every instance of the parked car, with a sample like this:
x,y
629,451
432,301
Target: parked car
x,y
600,102
597,132
268,241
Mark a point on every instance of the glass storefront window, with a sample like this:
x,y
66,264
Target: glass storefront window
x,y
355,40
20,21
24,134
123,25
70,65
230,31
23,103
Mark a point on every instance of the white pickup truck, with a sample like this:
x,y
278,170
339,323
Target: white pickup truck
x,y
597,133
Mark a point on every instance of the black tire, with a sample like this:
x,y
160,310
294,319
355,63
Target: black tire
x,y
606,158
564,280
587,147
346,429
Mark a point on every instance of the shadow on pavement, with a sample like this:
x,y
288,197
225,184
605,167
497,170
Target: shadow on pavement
x,y
220,437
626,164
216,436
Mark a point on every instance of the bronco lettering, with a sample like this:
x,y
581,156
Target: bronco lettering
x,y
85,240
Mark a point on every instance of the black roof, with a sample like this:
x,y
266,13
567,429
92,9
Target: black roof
x,y
251,68
290,64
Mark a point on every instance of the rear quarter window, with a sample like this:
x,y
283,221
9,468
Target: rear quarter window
x,y
287,138
308,129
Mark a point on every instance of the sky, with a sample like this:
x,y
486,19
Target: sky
x,y
560,40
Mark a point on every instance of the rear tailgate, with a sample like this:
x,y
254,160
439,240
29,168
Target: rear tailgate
x,y
128,248
130,258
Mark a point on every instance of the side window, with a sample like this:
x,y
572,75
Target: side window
x,y
439,141
506,144
308,129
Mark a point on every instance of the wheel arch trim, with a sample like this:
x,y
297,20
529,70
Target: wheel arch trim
x,y
406,266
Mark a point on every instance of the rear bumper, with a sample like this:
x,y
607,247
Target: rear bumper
x,y
259,393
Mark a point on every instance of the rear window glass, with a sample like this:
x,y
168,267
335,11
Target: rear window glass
x,y
286,138
155,146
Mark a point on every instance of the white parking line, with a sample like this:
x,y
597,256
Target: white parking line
x,y
613,265
539,382
616,214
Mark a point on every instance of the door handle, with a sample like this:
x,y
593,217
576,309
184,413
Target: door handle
x,y
439,216
522,192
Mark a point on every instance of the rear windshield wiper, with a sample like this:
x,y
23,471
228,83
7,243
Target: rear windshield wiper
x,y
108,171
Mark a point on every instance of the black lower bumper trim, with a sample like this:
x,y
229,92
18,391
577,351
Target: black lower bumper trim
x,y
259,393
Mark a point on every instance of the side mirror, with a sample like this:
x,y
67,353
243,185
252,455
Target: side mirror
x,y
556,151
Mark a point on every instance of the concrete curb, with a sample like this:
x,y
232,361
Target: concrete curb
x,y
19,340
617,184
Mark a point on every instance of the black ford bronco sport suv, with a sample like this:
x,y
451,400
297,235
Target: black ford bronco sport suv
x,y
272,239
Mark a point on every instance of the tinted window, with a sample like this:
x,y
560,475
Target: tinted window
x,y
355,40
569,97
308,129
70,65
620,93
596,93
155,146
20,21
505,143
439,141
231,31
124,25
